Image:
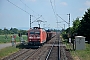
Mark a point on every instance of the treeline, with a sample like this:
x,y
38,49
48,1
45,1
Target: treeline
x,y
80,27
12,31
16,31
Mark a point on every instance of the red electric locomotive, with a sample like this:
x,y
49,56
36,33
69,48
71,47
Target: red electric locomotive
x,y
36,36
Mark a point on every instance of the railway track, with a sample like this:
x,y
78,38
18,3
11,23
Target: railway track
x,y
58,52
21,55
28,54
42,53
49,51
52,54
15,55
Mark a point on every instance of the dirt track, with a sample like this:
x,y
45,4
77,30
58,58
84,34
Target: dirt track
x,y
5,45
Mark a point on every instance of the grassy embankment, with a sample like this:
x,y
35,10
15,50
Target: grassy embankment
x,y
80,54
9,50
8,40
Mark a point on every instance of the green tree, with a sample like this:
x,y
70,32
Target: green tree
x,y
76,24
75,27
24,32
6,31
84,28
13,30
0,31
64,34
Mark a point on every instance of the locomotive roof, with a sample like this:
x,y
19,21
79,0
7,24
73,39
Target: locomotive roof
x,y
36,28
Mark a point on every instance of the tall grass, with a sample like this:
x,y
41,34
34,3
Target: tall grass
x,y
82,54
3,38
7,51
79,54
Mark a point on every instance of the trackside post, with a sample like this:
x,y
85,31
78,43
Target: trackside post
x,y
13,41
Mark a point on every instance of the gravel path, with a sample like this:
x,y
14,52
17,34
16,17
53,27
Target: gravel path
x,y
5,45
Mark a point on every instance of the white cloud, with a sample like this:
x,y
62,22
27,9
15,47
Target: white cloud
x,y
87,3
64,3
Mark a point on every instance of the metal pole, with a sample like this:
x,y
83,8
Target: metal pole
x,y
69,20
30,21
69,24
64,26
59,46
39,25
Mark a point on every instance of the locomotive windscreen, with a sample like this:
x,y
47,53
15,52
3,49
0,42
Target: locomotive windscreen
x,y
32,33
35,33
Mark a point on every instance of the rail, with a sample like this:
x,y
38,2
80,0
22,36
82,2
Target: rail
x,y
58,38
58,49
18,54
31,54
47,57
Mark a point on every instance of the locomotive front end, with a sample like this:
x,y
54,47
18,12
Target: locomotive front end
x,y
34,37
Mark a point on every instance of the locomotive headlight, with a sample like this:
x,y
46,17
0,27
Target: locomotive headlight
x,y
30,37
38,37
29,40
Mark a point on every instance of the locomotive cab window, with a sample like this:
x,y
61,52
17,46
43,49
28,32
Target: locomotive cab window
x,y
32,33
37,33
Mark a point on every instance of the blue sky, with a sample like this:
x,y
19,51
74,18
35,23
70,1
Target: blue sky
x,y
12,16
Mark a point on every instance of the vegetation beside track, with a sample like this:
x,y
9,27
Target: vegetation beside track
x,y
8,39
79,54
7,51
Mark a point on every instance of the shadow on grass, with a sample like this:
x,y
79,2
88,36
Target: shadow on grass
x,y
25,46
69,50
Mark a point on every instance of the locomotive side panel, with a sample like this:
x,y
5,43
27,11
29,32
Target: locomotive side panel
x,y
49,36
43,36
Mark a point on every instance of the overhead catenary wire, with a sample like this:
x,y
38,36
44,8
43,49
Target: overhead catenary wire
x,y
21,8
54,5
55,14
36,19
54,11
62,19
28,7
53,8
18,7
31,9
